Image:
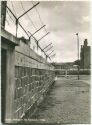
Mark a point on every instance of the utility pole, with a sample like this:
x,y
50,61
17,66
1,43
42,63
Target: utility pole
x,y
78,53
3,13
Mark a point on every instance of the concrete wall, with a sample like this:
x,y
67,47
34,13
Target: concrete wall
x,y
28,77
8,83
33,76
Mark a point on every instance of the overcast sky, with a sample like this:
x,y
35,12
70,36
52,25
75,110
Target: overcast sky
x,y
63,20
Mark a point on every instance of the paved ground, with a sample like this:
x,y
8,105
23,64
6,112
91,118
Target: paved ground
x,y
67,102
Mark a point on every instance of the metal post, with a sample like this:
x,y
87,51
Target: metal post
x,y
37,46
46,57
49,49
53,55
28,10
40,39
51,52
38,30
16,26
22,16
3,13
43,36
17,22
78,53
47,46
35,31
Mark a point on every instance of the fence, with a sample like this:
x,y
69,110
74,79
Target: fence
x,y
73,72
19,29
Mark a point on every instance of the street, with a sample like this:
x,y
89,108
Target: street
x,y
67,102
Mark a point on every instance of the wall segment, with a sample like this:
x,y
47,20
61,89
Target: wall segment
x,y
29,77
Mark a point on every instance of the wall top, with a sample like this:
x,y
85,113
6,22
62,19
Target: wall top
x,y
9,37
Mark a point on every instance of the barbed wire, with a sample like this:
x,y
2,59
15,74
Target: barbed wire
x,y
39,17
10,16
13,9
7,22
28,16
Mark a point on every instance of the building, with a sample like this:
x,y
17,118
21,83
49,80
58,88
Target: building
x,y
85,56
64,68
67,65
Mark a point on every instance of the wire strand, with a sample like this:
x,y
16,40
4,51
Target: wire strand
x,y
39,17
10,16
7,22
28,16
13,8
12,21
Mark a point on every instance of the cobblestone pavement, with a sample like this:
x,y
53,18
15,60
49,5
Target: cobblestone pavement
x,y
67,102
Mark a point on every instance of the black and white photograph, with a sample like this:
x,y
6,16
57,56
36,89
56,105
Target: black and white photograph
x,y
45,62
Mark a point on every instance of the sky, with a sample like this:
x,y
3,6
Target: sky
x,y
63,20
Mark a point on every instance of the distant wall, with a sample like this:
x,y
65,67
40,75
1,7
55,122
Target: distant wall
x,y
73,72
